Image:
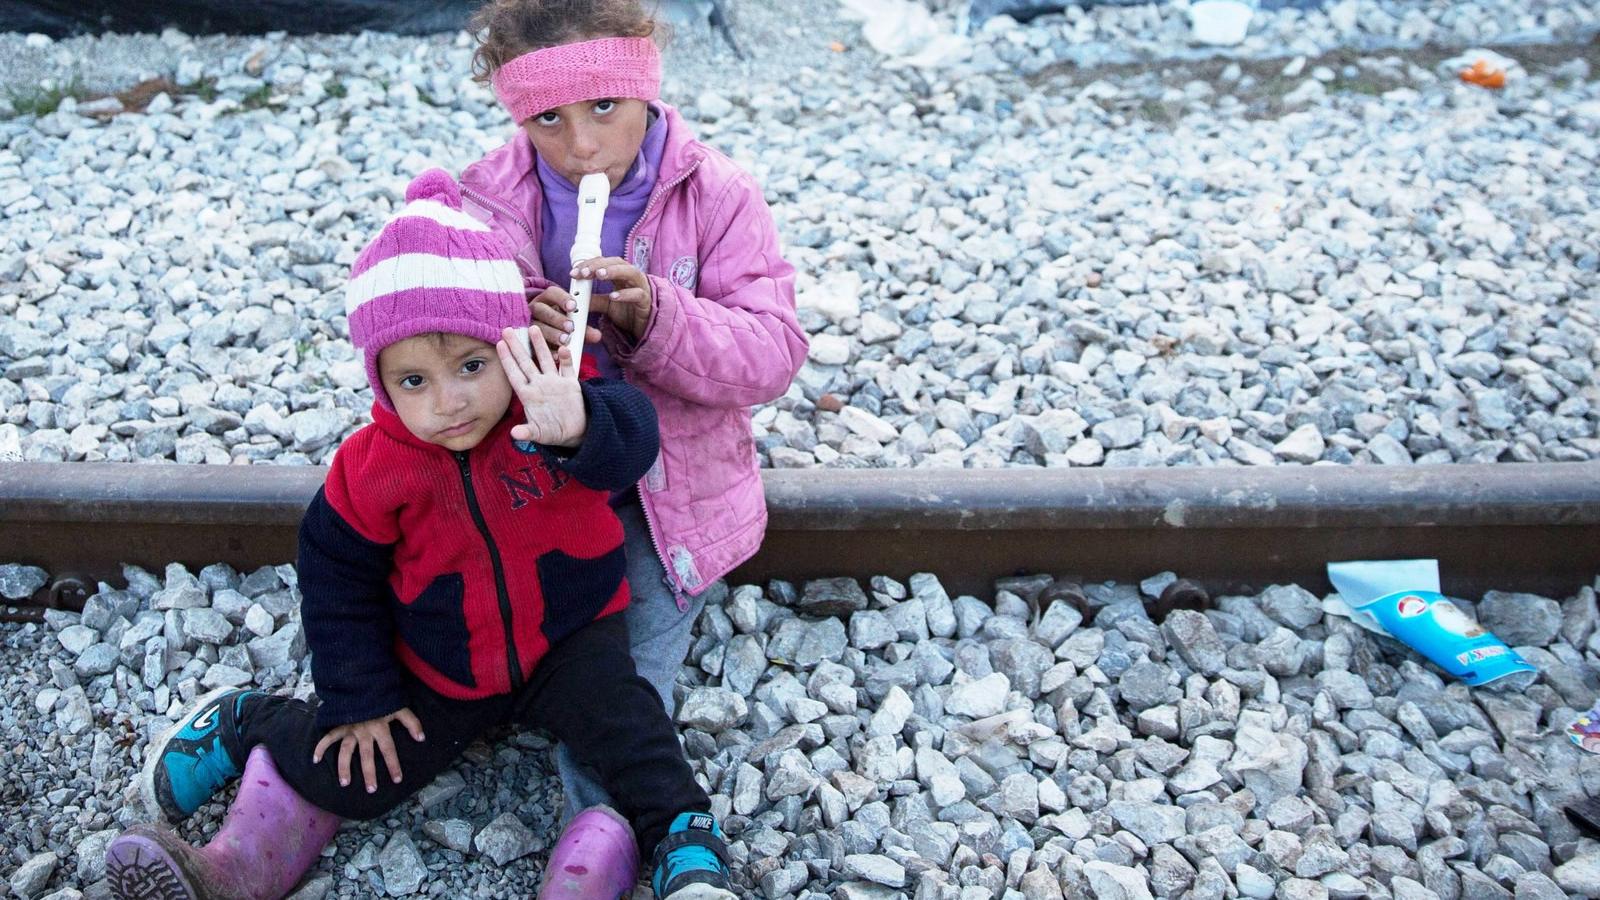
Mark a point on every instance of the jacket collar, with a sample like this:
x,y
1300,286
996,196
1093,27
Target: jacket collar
x,y
682,151
389,423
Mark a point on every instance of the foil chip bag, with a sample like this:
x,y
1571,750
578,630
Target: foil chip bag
x,y
1402,596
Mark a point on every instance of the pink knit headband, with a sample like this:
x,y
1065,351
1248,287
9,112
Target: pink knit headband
x,y
542,80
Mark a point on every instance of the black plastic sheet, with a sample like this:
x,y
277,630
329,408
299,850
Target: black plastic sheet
x,y
1027,10
63,18
980,11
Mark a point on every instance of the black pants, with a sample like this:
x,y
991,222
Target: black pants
x,y
584,691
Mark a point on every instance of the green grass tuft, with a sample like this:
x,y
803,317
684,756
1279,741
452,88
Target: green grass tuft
x,y
42,101
205,89
257,98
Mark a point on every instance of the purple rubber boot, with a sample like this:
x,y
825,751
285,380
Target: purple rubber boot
x,y
596,859
269,840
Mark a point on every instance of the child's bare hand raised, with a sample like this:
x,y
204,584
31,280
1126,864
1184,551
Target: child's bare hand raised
x,y
363,736
629,303
547,388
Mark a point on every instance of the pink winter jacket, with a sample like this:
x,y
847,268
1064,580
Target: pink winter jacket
x,y
722,336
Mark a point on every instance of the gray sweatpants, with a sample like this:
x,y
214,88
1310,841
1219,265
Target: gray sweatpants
x,y
658,635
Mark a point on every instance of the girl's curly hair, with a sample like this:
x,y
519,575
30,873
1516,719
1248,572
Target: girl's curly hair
x,y
506,29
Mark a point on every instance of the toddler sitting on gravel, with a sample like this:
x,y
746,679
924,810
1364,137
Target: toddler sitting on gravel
x,y
461,569
699,311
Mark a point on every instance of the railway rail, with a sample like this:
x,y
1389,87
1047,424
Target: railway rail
x,y
1529,527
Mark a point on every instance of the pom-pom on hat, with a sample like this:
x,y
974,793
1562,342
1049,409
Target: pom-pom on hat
x,y
431,268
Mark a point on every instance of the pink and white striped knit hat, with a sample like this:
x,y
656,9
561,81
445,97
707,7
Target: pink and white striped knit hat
x,y
431,268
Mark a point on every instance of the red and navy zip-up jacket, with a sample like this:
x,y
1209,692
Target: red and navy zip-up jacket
x,y
463,567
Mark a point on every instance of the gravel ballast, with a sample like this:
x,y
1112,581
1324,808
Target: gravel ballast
x,y
924,745
1027,258
1088,243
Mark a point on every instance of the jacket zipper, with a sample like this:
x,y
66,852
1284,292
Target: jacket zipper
x,y
504,210
644,504
512,663
666,565
657,194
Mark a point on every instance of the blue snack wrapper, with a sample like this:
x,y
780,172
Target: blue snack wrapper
x,y
1403,596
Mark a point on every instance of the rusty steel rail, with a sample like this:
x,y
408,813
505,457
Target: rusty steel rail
x,y
1533,527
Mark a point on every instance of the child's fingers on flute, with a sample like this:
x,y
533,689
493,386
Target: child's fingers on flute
x,y
553,296
550,315
591,335
609,268
551,304
551,310
553,336
630,296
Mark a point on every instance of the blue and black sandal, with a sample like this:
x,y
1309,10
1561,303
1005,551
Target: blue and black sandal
x,y
691,862
197,756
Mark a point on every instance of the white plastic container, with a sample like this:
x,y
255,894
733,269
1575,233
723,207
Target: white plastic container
x,y
1222,23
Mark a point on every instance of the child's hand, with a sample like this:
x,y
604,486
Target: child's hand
x,y
548,388
552,311
362,736
630,301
